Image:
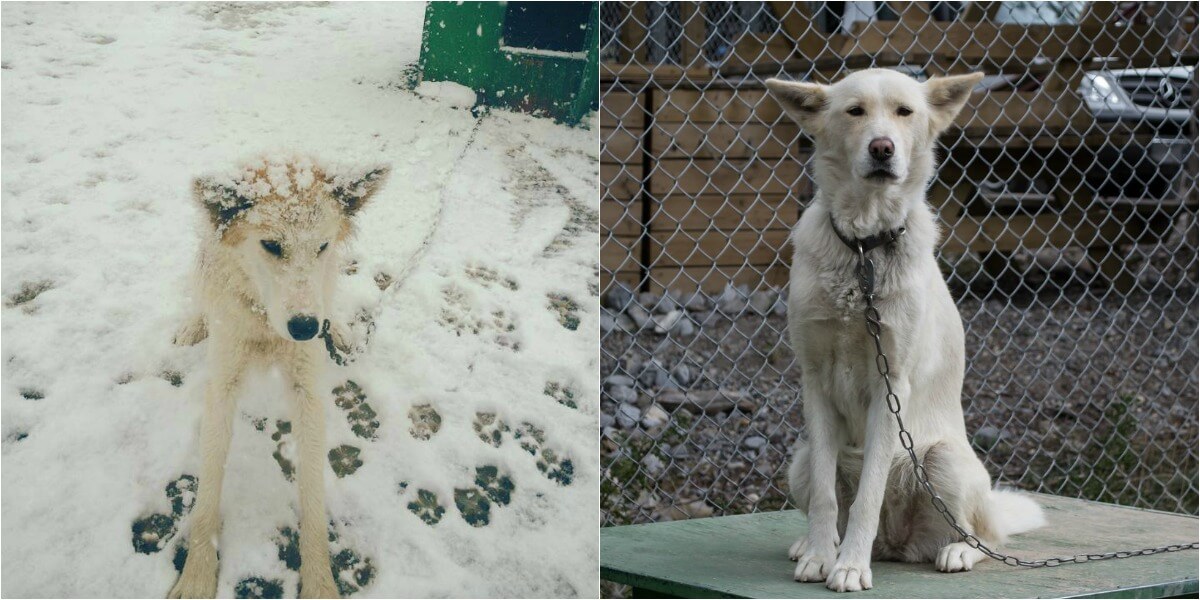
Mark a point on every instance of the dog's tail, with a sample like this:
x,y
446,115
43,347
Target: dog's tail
x,y
1013,512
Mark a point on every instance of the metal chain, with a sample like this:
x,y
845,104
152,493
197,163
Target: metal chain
x,y
865,271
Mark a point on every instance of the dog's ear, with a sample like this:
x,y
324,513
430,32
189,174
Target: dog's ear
x,y
804,102
353,192
947,95
220,200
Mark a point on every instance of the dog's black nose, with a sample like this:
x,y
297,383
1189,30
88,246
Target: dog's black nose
x,y
881,148
302,327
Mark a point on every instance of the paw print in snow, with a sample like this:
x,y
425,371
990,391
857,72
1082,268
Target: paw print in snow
x,y
497,487
362,418
566,309
426,507
564,394
555,467
258,587
152,533
486,277
182,493
283,449
459,316
344,460
489,428
425,421
474,504
351,571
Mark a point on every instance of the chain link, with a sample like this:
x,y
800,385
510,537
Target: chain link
x,y
865,271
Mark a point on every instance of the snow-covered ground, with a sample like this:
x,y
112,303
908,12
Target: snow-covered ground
x,y
463,437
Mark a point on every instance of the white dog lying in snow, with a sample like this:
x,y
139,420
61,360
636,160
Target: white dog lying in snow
x,y
874,136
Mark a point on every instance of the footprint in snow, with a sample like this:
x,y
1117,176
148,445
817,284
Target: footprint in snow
x,y
562,393
491,430
487,277
351,571
152,533
363,420
426,421
566,310
461,317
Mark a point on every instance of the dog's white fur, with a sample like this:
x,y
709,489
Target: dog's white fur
x,y
851,476
246,296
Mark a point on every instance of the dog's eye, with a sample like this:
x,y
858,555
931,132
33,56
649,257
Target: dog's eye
x,y
322,248
856,111
904,111
273,247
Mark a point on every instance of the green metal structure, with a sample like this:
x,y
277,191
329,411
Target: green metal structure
x,y
536,57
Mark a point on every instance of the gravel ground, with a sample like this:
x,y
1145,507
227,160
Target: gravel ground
x,y
1071,388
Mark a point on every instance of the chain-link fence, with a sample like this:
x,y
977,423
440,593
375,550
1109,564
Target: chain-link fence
x,y
1068,199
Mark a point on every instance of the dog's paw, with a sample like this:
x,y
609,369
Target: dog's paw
x,y
956,557
199,578
813,561
193,332
849,576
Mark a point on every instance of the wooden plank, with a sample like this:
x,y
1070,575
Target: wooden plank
x,y
728,140
635,74
725,105
622,109
691,15
631,279
745,556
726,212
621,253
621,146
633,32
972,42
743,247
713,279
620,182
621,218
1012,232
706,176
1034,114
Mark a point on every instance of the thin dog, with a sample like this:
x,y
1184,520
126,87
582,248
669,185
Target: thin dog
x,y
874,134
264,284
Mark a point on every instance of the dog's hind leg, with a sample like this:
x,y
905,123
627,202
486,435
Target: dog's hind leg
x,y
199,577
964,486
316,578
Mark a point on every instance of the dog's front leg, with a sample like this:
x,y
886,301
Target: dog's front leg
x,y
316,578
852,571
815,553
199,577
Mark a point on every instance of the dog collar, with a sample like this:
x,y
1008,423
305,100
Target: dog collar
x,y
870,242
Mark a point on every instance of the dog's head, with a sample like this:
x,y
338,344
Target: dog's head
x,y
283,221
878,124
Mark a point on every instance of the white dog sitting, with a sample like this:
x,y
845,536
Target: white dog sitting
x,y
874,135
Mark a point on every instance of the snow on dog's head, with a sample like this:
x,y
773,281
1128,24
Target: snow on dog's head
x,y
283,219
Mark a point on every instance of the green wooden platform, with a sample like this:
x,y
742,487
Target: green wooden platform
x,y
745,556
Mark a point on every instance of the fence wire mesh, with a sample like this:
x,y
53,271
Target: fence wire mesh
x,y
1068,198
